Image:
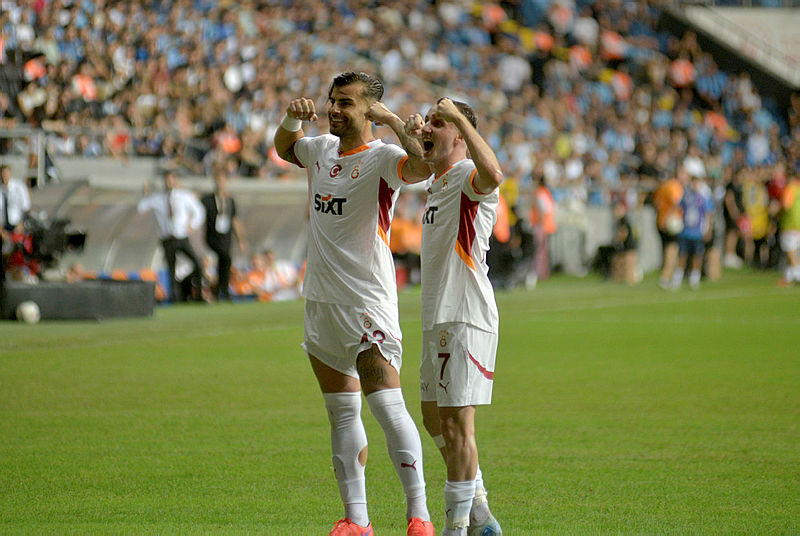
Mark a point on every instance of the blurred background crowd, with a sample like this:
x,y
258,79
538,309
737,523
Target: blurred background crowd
x,y
586,102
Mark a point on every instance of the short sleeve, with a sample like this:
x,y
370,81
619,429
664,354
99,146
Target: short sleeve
x,y
391,162
301,150
468,186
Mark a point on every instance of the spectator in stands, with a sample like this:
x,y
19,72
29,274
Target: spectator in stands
x,y
188,83
178,212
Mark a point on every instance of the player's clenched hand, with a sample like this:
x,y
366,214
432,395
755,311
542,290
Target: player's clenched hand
x,y
447,110
302,109
379,113
413,126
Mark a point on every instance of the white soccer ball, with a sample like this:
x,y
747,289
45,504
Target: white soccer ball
x,y
28,312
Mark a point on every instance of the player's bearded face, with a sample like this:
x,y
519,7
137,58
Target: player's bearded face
x,y
347,110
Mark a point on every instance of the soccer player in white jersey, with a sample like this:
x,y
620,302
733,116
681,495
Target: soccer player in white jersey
x,y
459,314
351,328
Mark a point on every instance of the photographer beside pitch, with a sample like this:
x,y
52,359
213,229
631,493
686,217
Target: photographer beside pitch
x,y
459,314
351,329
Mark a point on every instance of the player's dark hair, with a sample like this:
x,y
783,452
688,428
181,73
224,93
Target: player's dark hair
x,y
467,111
372,87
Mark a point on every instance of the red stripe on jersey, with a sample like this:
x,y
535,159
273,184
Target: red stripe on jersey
x,y
466,230
294,157
384,209
488,374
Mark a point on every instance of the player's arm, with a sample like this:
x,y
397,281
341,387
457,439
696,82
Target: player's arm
x,y
414,169
291,128
489,175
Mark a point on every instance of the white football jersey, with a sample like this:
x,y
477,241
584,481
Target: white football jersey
x,y
456,227
352,198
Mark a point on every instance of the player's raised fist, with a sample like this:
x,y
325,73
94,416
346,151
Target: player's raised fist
x,y
413,126
302,109
447,110
379,113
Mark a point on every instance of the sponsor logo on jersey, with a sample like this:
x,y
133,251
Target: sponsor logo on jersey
x,y
430,214
329,204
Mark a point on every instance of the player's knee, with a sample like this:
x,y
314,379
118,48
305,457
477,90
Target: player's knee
x,y
457,424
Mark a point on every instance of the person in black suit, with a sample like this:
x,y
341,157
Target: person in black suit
x,y
221,226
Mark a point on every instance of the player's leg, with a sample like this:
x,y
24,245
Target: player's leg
x,y
430,419
790,244
458,430
428,377
338,381
479,513
380,381
342,396
463,379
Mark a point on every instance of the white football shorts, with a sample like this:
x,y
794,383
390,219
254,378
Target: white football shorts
x,y
790,240
457,365
336,334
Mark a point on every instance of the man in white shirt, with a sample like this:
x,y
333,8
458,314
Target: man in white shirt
x,y
178,212
15,202
459,314
351,328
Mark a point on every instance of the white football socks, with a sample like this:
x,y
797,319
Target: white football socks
x,y
479,512
458,498
404,445
348,439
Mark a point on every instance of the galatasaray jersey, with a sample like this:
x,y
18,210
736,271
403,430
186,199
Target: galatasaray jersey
x,y
351,197
456,227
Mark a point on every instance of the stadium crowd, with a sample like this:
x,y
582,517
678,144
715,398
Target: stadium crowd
x,y
593,97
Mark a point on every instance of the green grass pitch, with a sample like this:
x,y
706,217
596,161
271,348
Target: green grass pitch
x,y
617,411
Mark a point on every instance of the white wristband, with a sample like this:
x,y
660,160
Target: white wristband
x,y
291,124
